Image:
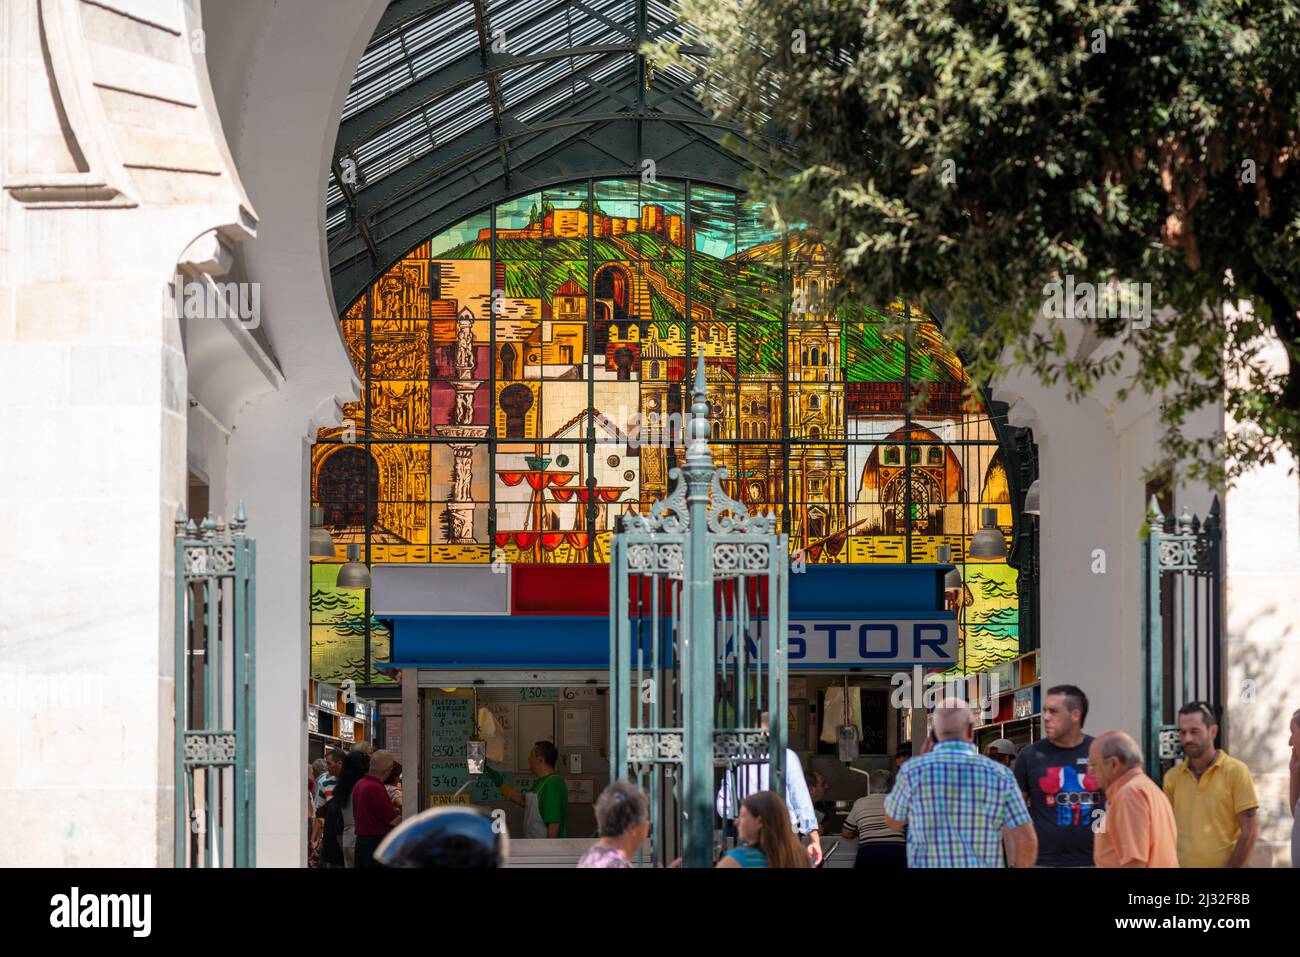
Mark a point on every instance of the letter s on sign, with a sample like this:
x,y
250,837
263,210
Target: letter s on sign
x,y
798,646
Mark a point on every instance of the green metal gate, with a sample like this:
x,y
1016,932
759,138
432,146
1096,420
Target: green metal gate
x,y
698,610
215,715
1181,627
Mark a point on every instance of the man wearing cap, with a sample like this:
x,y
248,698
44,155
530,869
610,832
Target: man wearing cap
x,y
1003,752
373,813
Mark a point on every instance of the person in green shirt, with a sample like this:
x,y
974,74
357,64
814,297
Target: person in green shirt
x,y
546,804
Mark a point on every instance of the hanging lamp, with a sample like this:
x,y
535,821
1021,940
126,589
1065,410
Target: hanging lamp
x,y
988,542
953,579
355,574
1031,499
322,542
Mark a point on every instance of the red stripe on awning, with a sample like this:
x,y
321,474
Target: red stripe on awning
x,y
579,589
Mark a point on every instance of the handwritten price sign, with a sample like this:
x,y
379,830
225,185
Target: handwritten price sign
x,y
539,694
448,777
437,800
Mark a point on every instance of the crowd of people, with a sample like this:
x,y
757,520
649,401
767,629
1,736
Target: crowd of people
x,y
354,801
1072,800
1066,800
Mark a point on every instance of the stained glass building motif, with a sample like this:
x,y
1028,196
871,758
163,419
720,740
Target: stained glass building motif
x,y
526,377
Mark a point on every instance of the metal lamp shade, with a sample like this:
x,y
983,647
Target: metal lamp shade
x,y
1031,499
952,580
988,541
355,574
322,542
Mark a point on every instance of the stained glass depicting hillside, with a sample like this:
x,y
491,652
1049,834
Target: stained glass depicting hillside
x,y
526,381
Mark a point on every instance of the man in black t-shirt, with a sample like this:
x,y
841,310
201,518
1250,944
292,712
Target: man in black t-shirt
x,y
1064,799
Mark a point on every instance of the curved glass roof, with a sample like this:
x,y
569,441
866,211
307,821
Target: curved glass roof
x,y
457,104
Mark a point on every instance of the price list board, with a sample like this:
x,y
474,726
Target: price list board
x,y
447,777
451,724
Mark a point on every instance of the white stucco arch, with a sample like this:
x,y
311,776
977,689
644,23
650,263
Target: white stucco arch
x,y
280,73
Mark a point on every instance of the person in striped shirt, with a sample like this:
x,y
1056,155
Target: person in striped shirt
x,y
957,805
879,845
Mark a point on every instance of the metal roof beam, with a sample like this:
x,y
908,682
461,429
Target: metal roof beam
x,y
422,172
402,13
546,145
611,94
584,104
629,32
477,141
461,72
494,99
555,163
674,94
430,86
477,137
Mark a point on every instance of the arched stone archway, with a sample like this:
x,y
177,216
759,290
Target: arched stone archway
x,y
347,487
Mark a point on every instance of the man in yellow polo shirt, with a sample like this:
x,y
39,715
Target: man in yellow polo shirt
x,y
1212,795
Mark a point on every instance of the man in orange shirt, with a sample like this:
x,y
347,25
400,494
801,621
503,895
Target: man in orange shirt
x,y
1138,829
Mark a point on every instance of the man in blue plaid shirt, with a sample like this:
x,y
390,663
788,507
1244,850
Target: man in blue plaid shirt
x,y
957,804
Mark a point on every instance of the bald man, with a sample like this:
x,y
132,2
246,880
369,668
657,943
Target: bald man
x,y
1138,828
957,805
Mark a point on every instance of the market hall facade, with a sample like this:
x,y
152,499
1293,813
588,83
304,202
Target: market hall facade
x,y
526,376
475,357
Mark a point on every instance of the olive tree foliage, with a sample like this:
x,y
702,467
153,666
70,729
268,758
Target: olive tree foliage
x,y
971,156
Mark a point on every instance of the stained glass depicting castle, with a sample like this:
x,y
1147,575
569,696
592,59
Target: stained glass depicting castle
x,y
526,377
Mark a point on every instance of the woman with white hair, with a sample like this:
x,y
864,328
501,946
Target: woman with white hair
x,y
623,819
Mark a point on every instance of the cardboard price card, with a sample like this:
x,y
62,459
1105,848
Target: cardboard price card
x,y
438,800
447,777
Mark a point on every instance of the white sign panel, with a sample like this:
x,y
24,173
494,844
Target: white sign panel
x,y
581,790
575,731
858,643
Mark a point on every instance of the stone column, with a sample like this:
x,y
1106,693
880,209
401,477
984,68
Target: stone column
x,y
104,181
268,460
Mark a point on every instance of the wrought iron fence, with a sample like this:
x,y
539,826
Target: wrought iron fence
x,y
215,715
1181,626
698,611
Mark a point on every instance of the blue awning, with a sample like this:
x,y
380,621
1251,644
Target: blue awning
x,y
880,617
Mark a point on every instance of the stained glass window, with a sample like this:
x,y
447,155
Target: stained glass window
x,y
526,383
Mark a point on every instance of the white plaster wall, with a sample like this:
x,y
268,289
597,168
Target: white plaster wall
x,y
206,443
1262,648
1092,456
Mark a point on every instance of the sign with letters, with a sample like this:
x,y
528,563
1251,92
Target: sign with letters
x,y
860,643
451,723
